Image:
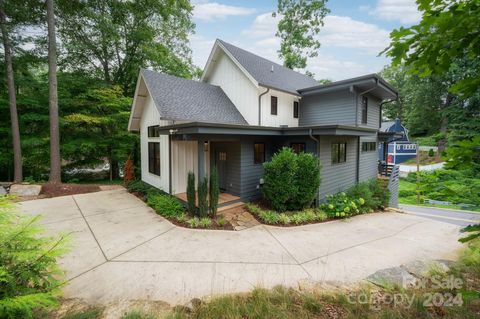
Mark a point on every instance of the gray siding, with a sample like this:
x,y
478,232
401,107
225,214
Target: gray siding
x,y
368,161
251,173
373,112
337,177
233,180
329,108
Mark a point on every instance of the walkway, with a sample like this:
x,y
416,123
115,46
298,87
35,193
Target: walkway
x,y
123,250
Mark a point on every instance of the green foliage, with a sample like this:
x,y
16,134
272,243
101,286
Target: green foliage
x,y
288,218
166,205
142,188
29,275
291,180
341,206
447,32
90,313
202,197
196,222
137,315
473,233
191,194
449,185
464,154
221,221
299,25
431,153
214,192
123,36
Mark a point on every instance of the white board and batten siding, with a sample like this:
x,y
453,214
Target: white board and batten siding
x,y
237,86
151,117
284,109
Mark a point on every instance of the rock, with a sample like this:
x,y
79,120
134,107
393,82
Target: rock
x,y
422,268
192,304
3,191
396,276
25,190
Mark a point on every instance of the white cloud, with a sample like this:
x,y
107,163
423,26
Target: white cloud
x,y
404,11
210,11
349,47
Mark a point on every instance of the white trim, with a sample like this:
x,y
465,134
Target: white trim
x,y
130,119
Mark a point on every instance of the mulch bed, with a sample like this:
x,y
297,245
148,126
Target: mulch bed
x,y
55,190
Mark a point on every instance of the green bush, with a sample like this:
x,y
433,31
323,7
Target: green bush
x,y
214,192
143,188
431,153
29,275
296,217
291,181
342,206
191,195
166,205
202,197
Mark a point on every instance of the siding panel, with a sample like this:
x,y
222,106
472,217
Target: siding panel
x,y
373,112
329,108
368,161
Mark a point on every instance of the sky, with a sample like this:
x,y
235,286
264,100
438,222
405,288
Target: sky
x,y
355,32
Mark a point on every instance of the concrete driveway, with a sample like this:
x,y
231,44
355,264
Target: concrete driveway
x,y
122,250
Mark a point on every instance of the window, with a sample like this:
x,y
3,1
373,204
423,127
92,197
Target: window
x,y
154,158
259,153
153,131
339,153
273,105
298,147
364,109
295,110
369,146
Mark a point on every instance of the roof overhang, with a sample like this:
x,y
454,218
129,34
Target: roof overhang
x,y
371,83
389,136
245,130
139,100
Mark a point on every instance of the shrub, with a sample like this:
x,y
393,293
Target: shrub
x,y
202,197
431,153
291,181
341,206
166,205
380,194
205,222
284,219
374,194
193,222
214,191
191,196
221,221
143,188
29,275
128,171
307,179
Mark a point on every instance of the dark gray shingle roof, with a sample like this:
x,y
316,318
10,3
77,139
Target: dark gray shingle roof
x,y
182,99
282,78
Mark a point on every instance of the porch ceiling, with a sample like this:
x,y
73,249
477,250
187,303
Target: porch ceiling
x,y
227,129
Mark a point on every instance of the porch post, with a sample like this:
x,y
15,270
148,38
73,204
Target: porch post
x,y
201,160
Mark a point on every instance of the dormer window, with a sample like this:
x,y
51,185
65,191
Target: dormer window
x,y
273,105
295,110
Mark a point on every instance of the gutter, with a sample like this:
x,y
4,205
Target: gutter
x,y
260,106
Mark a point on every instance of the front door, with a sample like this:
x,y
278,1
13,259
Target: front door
x,y
221,162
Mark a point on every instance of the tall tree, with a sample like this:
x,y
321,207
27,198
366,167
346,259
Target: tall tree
x,y
55,160
17,149
114,39
299,25
447,33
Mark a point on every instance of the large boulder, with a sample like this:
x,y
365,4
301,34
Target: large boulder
x,y
25,190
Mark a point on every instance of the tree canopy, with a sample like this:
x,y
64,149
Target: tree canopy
x,y
299,25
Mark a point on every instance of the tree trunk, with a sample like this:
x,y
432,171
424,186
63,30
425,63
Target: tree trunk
x,y
55,162
444,126
12,99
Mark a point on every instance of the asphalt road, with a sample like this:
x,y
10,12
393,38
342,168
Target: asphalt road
x,y
450,216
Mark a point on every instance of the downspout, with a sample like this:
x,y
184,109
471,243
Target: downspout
x,y
357,175
381,108
317,145
260,106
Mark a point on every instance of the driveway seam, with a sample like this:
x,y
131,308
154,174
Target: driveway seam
x,y
90,228
202,262
363,243
143,243
288,252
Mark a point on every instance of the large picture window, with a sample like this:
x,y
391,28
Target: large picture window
x,y
154,158
364,109
259,153
273,105
295,110
298,147
153,131
369,146
339,153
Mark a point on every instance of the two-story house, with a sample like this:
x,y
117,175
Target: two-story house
x,y
242,111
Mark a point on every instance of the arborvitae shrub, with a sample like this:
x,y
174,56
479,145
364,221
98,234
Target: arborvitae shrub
x,y
214,192
191,196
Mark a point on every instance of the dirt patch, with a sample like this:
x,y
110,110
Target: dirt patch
x,y
55,190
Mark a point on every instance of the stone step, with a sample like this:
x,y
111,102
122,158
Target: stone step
x,y
234,205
